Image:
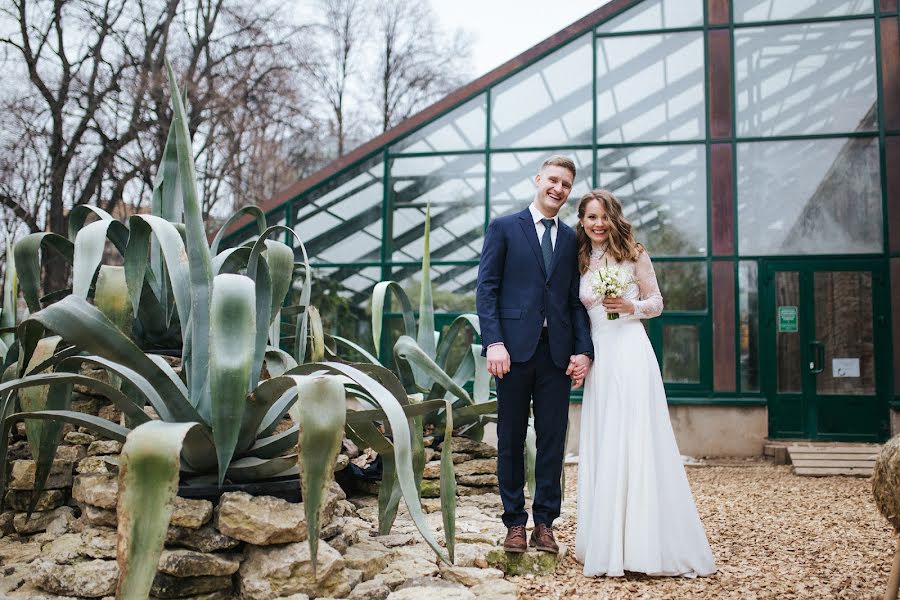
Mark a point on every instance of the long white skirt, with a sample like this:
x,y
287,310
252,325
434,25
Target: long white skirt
x,y
635,507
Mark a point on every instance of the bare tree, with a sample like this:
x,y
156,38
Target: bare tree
x,y
418,62
87,120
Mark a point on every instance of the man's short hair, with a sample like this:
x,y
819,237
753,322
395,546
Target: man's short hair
x,y
558,160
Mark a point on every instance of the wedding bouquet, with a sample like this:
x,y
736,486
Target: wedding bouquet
x,y
611,281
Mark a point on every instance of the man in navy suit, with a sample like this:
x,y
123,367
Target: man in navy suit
x,y
536,336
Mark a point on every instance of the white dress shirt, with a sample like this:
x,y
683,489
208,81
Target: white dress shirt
x,y
536,216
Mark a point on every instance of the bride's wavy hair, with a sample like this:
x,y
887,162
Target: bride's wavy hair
x,y
621,244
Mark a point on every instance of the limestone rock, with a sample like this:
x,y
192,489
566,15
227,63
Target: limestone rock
x,y
260,520
430,488
99,517
110,412
83,403
70,454
477,466
370,590
190,513
465,490
13,552
96,490
469,576
341,462
404,567
205,539
478,480
23,471
532,562
41,521
188,563
6,523
273,571
90,579
468,446
392,540
432,470
495,589
91,543
167,586
263,520
218,595
370,557
77,437
48,500
473,555
420,592
101,447
105,465
431,454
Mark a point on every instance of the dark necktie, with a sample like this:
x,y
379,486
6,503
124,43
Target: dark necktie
x,y
547,244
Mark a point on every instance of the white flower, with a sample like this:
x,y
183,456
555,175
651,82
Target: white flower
x,y
611,281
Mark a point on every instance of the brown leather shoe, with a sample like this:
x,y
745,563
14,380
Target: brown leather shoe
x,y
515,539
542,539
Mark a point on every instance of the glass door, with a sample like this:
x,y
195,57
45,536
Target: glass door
x,y
824,330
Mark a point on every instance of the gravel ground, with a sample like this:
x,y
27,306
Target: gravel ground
x,y
773,534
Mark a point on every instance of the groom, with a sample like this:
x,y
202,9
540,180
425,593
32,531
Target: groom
x,y
537,341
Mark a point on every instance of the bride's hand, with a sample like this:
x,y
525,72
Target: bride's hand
x,y
623,306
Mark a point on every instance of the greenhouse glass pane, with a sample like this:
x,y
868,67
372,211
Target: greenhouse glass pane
x,y
779,10
748,287
682,284
454,188
681,354
464,128
805,79
453,286
343,296
513,186
818,196
547,104
663,193
340,222
656,14
650,88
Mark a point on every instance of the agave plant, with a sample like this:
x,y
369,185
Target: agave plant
x,y
8,311
216,418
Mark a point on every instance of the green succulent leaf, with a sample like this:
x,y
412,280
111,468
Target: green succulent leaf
x,y
27,253
10,296
111,297
90,243
341,341
251,468
448,488
233,322
275,445
408,350
148,483
256,212
316,335
530,457
379,298
197,362
425,335
322,410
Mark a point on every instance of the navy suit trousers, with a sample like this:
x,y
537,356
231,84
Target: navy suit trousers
x,y
540,383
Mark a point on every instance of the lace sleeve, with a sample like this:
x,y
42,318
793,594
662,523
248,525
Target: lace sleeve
x,y
651,301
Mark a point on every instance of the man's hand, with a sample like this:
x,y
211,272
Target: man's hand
x,y
579,365
498,360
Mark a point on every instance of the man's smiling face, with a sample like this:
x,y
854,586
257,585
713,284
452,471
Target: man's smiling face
x,y
554,184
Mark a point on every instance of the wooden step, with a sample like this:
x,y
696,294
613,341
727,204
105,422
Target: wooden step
x,y
821,461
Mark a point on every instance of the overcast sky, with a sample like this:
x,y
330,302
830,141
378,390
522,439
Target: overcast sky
x,y
506,28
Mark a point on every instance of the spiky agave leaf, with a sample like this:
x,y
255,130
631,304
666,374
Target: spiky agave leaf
x,y
322,411
10,295
90,243
111,297
379,298
448,488
148,482
425,334
27,253
232,327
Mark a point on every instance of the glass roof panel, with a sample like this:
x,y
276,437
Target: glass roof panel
x,y
656,14
463,128
805,79
778,10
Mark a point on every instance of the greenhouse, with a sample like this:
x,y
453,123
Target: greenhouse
x,y
755,145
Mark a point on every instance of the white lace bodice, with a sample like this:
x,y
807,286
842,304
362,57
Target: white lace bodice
x,y
644,293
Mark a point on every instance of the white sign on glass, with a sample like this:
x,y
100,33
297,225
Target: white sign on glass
x,y
845,367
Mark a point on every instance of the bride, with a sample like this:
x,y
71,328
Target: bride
x,y
635,508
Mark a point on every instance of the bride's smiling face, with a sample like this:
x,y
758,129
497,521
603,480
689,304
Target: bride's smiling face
x,y
595,222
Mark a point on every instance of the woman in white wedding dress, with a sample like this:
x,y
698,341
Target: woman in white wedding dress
x,y
635,508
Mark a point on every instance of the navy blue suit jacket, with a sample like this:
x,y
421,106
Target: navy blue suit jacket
x,y
515,294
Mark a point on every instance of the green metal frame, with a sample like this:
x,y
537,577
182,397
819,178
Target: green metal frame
x,y
701,392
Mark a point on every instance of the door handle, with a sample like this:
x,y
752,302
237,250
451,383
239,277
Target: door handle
x,y
817,365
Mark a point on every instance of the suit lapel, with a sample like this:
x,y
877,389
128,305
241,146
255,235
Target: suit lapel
x,y
531,237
